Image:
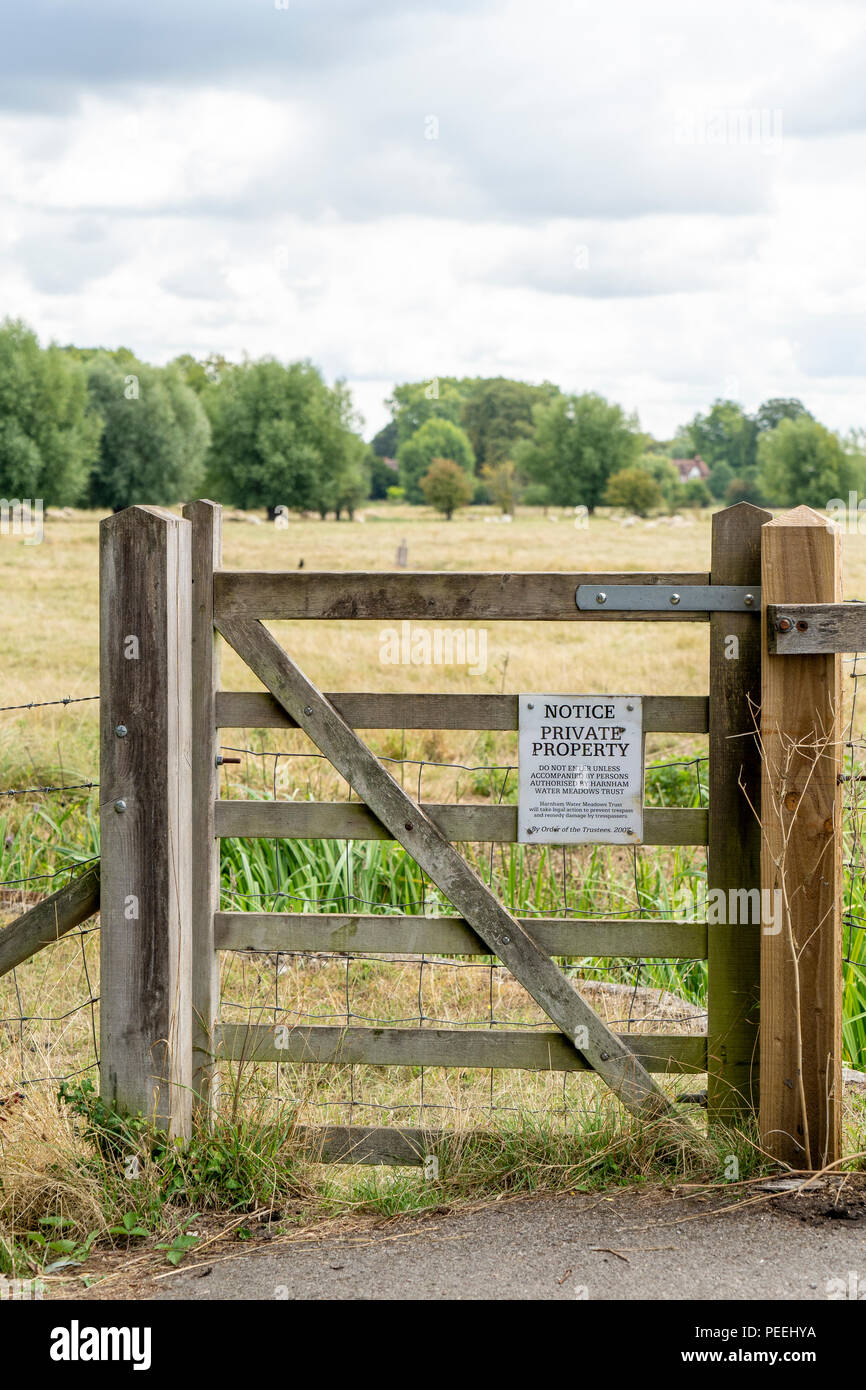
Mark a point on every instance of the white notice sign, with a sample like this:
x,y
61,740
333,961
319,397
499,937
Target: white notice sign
x,y
580,769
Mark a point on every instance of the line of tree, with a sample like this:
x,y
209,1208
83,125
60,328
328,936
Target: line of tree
x,y
96,427
91,427
538,445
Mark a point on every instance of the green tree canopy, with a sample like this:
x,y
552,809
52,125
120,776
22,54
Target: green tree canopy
x,y
447,486
634,488
155,434
201,374
281,436
696,493
48,432
720,480
747,489
580,441
774,411
497,415
435,439
660,468
801,462
413,403
386,443
726,434
502,485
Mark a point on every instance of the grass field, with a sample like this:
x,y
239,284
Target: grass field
x,y
49,651
546,1132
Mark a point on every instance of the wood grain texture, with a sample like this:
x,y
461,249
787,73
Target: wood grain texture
x,y
440,595
346,820
50,919
663,714
146,895
816,628
734,860
420,836
510,1049
205,520
563,936
801,966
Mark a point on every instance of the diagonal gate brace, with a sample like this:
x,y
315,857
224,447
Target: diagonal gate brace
x,y
417,832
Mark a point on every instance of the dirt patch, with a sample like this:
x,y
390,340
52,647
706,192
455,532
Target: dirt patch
x,y
833,1199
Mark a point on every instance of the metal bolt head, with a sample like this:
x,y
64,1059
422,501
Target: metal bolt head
x,y
629,707
784,625
601,598
308,709
530,705
749,600
119,806
121,731
675,598
605,1056
505,940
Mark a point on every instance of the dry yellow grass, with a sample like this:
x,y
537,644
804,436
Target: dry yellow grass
x,y
49,639
49,648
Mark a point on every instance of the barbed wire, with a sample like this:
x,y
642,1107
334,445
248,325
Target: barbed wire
x,y
355,967
43,704
41,791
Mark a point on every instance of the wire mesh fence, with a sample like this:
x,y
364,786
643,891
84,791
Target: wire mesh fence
x,y
49,1004
353,988
48,1007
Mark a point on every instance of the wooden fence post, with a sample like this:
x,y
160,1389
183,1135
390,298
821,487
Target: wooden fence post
x,y
734,858
206,521
801,862
145,811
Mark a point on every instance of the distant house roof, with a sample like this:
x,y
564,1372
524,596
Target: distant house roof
x,y
691,468
392,464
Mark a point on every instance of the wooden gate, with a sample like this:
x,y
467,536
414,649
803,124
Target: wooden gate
x,y
165,603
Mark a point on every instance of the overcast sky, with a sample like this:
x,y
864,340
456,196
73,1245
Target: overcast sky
x,y
547,189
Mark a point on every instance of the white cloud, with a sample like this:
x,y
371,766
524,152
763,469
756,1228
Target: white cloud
x,y
659,203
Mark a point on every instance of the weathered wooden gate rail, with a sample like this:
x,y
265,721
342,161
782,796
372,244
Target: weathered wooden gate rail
x,y
49,919
164,596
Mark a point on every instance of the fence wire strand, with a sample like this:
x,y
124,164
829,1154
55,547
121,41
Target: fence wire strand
x,y
377,991
372,990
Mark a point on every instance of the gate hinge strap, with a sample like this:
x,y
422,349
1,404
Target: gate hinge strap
x,y
665,598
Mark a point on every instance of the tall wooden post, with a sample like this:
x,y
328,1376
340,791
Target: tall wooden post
x,y
206,521
801,955
734,860
145,812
